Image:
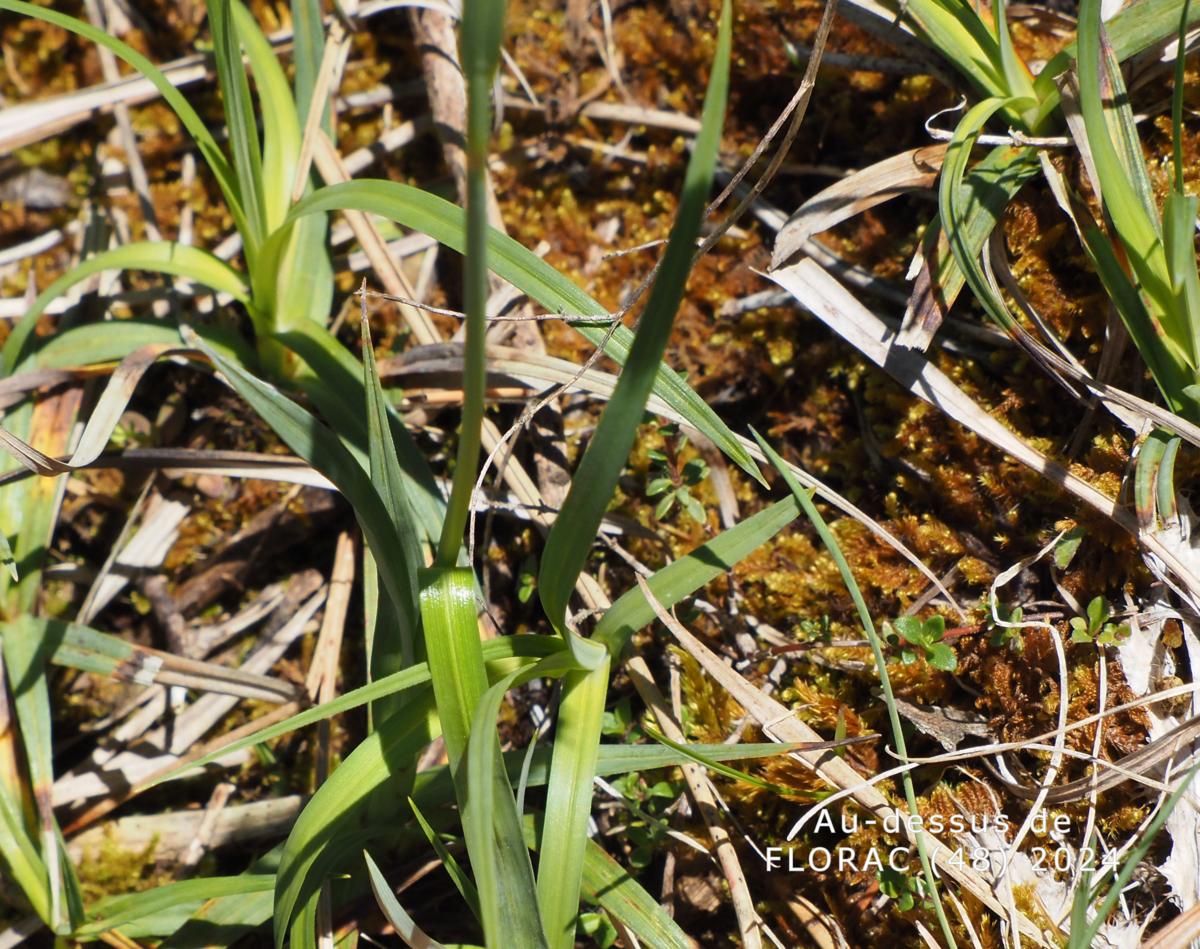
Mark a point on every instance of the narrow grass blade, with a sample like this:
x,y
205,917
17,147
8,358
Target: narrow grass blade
x,y
1123,198
167,257
333,379
240,121
522,648
508,898
690,572
445,222
569,800
434,788
455,655
1018,83
395,645
608,884
30,510
1179,209
864,615
467,710
92,344
117,911
298,287
408,930
225,920
303,277
280,124
958,33
1166,360
308,46
691,753
462,882
1132,861
956,204
571,538
622,759
19,856
1134,29
984,192
1179,228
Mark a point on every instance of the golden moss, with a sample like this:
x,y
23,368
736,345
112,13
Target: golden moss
x,y
112,870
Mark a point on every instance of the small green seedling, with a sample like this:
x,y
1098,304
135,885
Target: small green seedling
x,y
1000,635
816,629
528,579
598,928
648,804
1095,627
672,481
905,890
923,638
619,719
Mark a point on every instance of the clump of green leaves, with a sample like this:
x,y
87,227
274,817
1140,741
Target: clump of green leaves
x,y
903,888
647,828
1000,635
922,638
599,928
618,720
1095,627
672,481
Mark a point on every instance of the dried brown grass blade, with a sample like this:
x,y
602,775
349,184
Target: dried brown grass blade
x,y
914,170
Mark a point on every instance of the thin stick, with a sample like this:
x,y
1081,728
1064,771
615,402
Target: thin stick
x,y
333,61
604,318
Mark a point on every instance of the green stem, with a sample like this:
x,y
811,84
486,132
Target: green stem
x,y
475,294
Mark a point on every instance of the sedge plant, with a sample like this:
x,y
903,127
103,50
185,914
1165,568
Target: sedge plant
x,y
429,676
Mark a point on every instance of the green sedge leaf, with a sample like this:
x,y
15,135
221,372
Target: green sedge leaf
x,y
569,801
180,260
690,572
117,911
327,833
311,440
508,897
457,874
455,654
394,646
242,125
395,913
570,540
